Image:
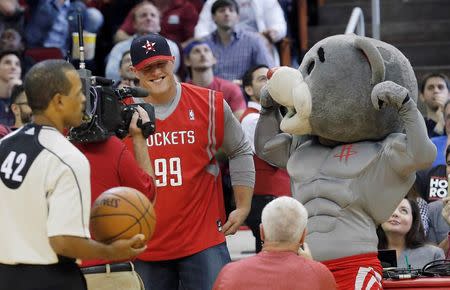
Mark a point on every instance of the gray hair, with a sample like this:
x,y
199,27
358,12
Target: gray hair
x,y
284,220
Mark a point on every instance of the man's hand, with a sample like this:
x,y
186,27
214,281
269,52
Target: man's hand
x,y
243,198
440,122
126,249
235,220
441,99
11,83
142,114
446,210
140,140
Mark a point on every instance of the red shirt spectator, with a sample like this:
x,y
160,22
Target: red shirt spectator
x,y
178,20
276,270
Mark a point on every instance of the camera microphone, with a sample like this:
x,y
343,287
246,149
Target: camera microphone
x,y
136,92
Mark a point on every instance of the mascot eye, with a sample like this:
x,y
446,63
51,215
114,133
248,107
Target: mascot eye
x,y
321,54
310,67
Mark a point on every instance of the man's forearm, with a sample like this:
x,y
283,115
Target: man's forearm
x,y
87,249
243,197
141,155
79,248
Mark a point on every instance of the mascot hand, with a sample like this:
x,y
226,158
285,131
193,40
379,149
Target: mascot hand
x,y
266,100
388,94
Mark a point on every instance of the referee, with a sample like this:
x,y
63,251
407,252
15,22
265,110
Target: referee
x,y
45,191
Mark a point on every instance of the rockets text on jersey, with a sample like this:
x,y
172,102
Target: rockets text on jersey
x,y
171,138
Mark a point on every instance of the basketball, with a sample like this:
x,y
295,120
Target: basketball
x,y
121,213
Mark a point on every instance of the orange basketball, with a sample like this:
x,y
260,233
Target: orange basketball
x,y
121,213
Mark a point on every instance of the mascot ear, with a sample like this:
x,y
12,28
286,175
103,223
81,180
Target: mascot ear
x,y
374,57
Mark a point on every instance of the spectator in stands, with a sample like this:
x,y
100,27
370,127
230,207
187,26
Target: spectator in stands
x,y
403,232
433,183
281,261
270,181
146,19
51,23
445,215
12,15
127,76
200,60
414,194
438,218
10,75
443,141
10,39
20,109
236,49
434,93
263,16
178,19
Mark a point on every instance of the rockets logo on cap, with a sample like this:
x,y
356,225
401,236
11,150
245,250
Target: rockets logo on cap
x,y
149,48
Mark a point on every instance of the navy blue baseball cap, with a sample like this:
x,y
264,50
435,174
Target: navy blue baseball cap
x,y
192,44
149,48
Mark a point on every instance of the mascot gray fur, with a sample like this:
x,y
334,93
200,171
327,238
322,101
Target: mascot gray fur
x,y
351,141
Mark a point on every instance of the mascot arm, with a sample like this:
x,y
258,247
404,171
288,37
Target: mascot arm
x,y
417,151
271,144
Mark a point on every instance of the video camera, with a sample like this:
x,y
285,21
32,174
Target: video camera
x,y
106,114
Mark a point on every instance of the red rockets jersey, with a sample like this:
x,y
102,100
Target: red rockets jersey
x,y
189,201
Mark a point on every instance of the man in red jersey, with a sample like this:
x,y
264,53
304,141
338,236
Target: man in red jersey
x,y
188,247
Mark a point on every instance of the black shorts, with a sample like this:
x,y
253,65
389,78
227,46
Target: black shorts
x,y
64,276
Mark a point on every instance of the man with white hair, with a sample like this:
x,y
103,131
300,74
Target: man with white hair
x,y
282,263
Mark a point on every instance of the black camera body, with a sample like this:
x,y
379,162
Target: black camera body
x,y
127,113
106,114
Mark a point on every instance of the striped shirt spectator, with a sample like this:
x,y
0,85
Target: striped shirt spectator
x,y
246,49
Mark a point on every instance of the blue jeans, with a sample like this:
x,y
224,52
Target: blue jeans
x,y
196,272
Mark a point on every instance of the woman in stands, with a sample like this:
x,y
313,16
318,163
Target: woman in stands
x,y
403,232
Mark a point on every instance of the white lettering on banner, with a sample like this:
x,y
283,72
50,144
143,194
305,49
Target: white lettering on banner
x,y
438,187
172,172
434,182
171,138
